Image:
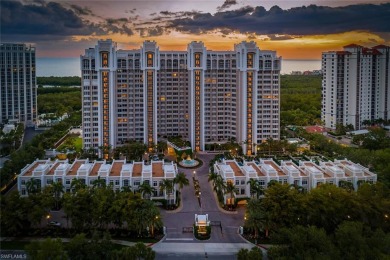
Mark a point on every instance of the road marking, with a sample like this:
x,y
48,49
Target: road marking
x,y
178,238
171,228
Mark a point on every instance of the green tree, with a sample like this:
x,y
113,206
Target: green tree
x,y
230,189
255,188
257,218
167,186
33,186
304,243
138,251
77,184
146,190
46,249
58,190
181,180
14,214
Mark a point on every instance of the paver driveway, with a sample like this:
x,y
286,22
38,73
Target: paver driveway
x,y
174,222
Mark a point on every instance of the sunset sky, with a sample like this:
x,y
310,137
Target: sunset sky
x,y
296,29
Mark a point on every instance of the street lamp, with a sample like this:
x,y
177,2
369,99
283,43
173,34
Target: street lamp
x,y
194,174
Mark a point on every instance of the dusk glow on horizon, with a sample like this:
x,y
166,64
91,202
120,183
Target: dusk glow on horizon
x,y
295,29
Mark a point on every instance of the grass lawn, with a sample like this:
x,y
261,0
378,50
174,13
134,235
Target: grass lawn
x,y
13,245
78,143
72,142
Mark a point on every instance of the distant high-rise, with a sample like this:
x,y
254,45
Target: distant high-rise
x,y
205,96
18,92
355,85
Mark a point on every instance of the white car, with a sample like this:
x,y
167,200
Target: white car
x,y
54,223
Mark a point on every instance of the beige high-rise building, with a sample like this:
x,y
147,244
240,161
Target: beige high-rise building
x,y
355,85
202,95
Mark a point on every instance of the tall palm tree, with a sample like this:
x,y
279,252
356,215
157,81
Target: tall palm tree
x,y
346,185
181,180
32,186
219,185
212,177
230,189
146,190
252,186
98,183
77,184
58,190
257,218
167,186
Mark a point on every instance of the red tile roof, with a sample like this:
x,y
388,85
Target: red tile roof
x,y
381,47
353,46
315,129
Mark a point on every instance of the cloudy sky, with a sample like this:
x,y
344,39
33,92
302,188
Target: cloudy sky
x,y
296,29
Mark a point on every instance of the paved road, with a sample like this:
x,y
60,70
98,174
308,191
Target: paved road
x,y
175,222
29,134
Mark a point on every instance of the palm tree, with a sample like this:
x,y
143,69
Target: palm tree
x,y
99,182
77,184
252,186
32,186
167,186
255,188
346,185
58,189
162,146
212,177
257,218
126,189
182,180
230,189
219,185
146,190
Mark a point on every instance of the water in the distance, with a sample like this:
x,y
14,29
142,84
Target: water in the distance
x,y
71,66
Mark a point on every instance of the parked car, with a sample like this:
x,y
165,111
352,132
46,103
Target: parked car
x,y
54,224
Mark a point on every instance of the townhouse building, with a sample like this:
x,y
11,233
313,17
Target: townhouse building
x,y
119,174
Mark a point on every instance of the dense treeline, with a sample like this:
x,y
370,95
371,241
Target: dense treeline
x,y
300,101
35,149
327,222
11,141
123,213
59,81
59,103
99,246
51,90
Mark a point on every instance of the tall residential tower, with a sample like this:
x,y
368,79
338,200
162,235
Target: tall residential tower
x,y
355,85
18,92
205,96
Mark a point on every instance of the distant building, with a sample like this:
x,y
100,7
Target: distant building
x,y
305,174
355,85
18,91
118,174
296,73
202,95
315,129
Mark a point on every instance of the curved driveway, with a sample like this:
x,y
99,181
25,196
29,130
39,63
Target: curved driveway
x,y
175,221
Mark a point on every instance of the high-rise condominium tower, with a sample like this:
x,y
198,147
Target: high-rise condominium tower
x,y
355,85
204,96
18,92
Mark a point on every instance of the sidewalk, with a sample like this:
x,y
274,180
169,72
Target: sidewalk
x,y
26,239
200,247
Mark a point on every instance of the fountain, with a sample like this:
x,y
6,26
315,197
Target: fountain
x,y
188,163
